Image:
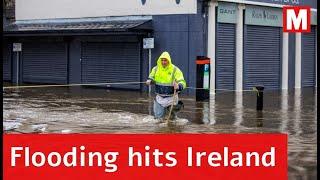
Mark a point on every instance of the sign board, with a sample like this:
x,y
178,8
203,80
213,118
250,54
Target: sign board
x,y
311,3
17,47
49,9
227,12
148,43
263,16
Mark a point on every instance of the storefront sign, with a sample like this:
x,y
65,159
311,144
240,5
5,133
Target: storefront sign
x,y
49,9
311,3
227,12
263,16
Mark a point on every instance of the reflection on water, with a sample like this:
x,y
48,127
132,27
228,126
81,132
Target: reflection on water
x,y
89,110
238,110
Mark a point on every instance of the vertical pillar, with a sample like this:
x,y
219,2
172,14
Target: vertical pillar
x,y
316,52
211,43
239,48
285,61
297,83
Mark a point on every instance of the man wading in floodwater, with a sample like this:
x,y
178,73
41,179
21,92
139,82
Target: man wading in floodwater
x,y
168,80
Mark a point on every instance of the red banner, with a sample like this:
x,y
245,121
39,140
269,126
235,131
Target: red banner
x,y
151,156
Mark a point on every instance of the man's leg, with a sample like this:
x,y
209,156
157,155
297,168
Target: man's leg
x,y
176,109
158,110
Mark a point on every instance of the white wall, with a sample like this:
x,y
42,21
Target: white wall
x,y
48,9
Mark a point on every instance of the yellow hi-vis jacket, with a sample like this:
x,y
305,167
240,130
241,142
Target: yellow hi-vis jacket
x,y
166,76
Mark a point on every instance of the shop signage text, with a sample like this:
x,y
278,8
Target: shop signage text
x,y
295,2
227,13
263,16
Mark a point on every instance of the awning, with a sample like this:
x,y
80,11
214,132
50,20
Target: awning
x,y
82,26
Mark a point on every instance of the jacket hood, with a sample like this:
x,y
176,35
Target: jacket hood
x,y
166,55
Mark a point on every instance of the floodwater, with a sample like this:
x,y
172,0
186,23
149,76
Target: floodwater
x,y
92,110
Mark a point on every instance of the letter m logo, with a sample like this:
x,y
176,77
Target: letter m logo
x,y
296,19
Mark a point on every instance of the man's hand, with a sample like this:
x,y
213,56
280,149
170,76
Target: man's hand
x,y
148,82
175,85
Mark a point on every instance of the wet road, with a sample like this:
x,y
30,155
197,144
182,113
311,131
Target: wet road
x,y
91,110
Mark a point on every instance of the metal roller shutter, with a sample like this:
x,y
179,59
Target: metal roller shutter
x,y
225,58
308,58
262,57
111,62
6,62
44,62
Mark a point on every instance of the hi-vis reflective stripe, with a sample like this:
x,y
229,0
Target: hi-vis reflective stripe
x,y
155,71
164,84
180,80
174,71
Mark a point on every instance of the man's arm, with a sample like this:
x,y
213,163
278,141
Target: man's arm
x,y
151,76
179,80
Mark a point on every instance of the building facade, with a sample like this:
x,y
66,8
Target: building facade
x,y
250,47
243,39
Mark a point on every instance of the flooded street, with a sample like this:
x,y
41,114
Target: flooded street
x,y
91,110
